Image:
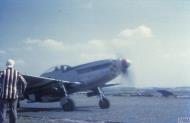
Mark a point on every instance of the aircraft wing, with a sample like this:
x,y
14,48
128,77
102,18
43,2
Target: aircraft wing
x,y
109,85
34,81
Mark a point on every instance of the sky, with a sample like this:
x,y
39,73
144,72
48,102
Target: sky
x,y
153,34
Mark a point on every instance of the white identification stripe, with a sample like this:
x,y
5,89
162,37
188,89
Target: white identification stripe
x,y
14,85
7,84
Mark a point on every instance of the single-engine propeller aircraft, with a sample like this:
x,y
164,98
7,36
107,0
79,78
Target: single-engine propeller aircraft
x,y
61,81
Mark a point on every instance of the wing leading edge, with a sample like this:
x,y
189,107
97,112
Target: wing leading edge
x,y
35,82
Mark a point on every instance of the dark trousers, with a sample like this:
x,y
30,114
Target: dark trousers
x,y
4,106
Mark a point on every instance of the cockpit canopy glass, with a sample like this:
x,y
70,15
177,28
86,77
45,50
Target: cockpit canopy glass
x,y
59,68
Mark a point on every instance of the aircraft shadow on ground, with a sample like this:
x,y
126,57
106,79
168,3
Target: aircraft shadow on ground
x,y
82,109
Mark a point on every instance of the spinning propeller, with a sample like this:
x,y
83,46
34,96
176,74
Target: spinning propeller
x,y
127,72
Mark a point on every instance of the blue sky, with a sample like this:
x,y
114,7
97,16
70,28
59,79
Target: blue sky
x,y
153,34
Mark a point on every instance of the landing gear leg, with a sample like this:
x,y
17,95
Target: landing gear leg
x,y
66,102
103,102
18,103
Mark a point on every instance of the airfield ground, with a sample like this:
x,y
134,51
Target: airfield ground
x,y
122,110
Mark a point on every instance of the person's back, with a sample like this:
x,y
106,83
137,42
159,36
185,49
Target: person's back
x,y
9,84
10,79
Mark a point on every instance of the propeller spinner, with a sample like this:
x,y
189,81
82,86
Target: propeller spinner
x,y
125,65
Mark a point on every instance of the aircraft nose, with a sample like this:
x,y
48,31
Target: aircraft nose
x,y
113,66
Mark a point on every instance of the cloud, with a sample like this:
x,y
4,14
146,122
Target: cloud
x,y
47,43
140,31
92,49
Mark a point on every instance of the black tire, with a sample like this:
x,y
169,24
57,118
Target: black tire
x,y
104,103
67,104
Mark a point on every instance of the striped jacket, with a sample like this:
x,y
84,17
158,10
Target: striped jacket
x,y
10,79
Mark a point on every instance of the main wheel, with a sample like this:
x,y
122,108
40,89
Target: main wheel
x,y
67,104
104,103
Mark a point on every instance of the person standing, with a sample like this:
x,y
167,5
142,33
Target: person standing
x,y
12,83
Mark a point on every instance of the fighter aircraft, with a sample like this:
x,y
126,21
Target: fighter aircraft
x,y
61,81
